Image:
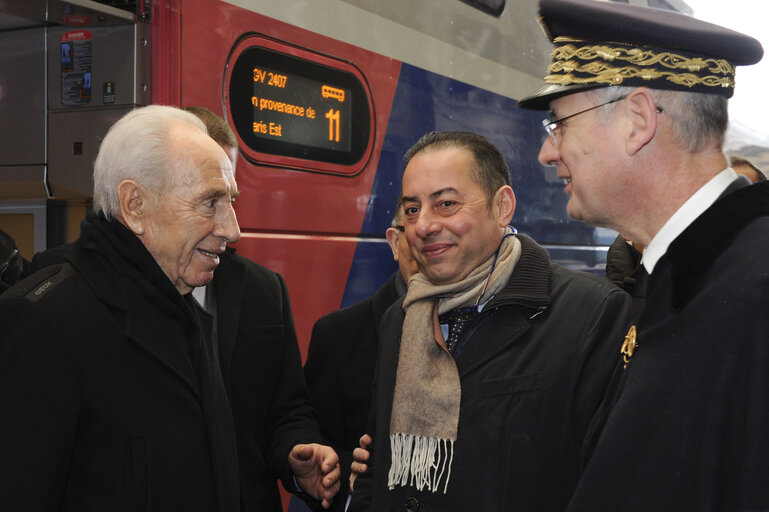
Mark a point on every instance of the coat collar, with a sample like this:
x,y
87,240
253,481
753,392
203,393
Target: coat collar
x,y
695,249
143,325
529,286
530,283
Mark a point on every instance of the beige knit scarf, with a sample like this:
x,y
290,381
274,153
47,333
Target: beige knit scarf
x,y
425,412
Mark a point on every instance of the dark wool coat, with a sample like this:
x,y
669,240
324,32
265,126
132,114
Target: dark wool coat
x,y
339,368
688,428
261,368
102,407
533,372
262,371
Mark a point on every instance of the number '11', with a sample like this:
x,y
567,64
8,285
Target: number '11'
x,y
333,117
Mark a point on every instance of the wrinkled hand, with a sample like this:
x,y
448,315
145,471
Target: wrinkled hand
x,y
317,471
359,458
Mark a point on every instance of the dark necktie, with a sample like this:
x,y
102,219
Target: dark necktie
x,y
206,330
457,319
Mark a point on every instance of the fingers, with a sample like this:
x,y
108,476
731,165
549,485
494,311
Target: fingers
x,y
330,459
332,476
358,467
332,486
325,455
302,452
360,455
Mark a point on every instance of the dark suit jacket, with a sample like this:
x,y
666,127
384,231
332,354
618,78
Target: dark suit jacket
x,y
103,409
262,371
533,372
687,428
339,366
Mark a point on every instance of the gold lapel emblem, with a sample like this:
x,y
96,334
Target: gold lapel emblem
x,y
629,346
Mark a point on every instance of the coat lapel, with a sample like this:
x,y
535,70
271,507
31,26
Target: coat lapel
x,y
526,295
739,205
145,328
229,287
221,429
494,335
143,325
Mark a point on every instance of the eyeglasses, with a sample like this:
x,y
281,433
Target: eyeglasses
x,y
552,126
400,228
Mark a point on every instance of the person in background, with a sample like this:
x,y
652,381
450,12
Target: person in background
x,y
638,115
623,266
219,130
747,168
492,366
247,308
346,339
13,267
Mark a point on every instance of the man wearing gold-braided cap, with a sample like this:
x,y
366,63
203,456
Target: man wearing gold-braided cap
x,y
638,114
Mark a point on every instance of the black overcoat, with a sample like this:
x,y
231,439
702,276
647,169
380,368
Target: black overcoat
x,y
102,409
533,373
339,368
262,371
261,368
688,428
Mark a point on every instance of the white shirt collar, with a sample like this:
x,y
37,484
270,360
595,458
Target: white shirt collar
x,y
199,294
686,214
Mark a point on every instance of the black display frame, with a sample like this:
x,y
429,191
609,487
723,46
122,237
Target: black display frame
x,y
241,109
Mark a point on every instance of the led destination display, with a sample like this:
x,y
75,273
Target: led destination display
x,y
300,110
286,106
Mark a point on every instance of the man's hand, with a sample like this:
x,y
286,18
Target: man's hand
x,y
316,468
359,458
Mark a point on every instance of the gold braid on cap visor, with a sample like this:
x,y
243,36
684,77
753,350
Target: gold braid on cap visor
x,y
612,65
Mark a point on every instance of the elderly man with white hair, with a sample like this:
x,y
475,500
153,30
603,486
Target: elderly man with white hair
x,y
112,392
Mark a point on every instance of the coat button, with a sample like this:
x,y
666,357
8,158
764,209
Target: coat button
x,y
411,505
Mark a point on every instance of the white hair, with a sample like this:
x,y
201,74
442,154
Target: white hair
x,y
137,148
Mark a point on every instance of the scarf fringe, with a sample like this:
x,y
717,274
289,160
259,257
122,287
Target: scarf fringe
x,y
420,462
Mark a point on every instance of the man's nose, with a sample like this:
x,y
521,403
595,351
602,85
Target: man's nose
x,y
228,227
427,222
548,153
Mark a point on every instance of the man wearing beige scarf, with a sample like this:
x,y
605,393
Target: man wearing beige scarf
x,y
486,413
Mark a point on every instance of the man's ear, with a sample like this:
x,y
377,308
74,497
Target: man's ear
x,y
503,205
392,240
132,199
643,120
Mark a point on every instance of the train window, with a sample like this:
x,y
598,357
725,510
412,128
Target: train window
x,y
662,4
493,7
295,108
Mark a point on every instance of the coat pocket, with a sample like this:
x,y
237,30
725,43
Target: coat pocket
x,y
513,385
